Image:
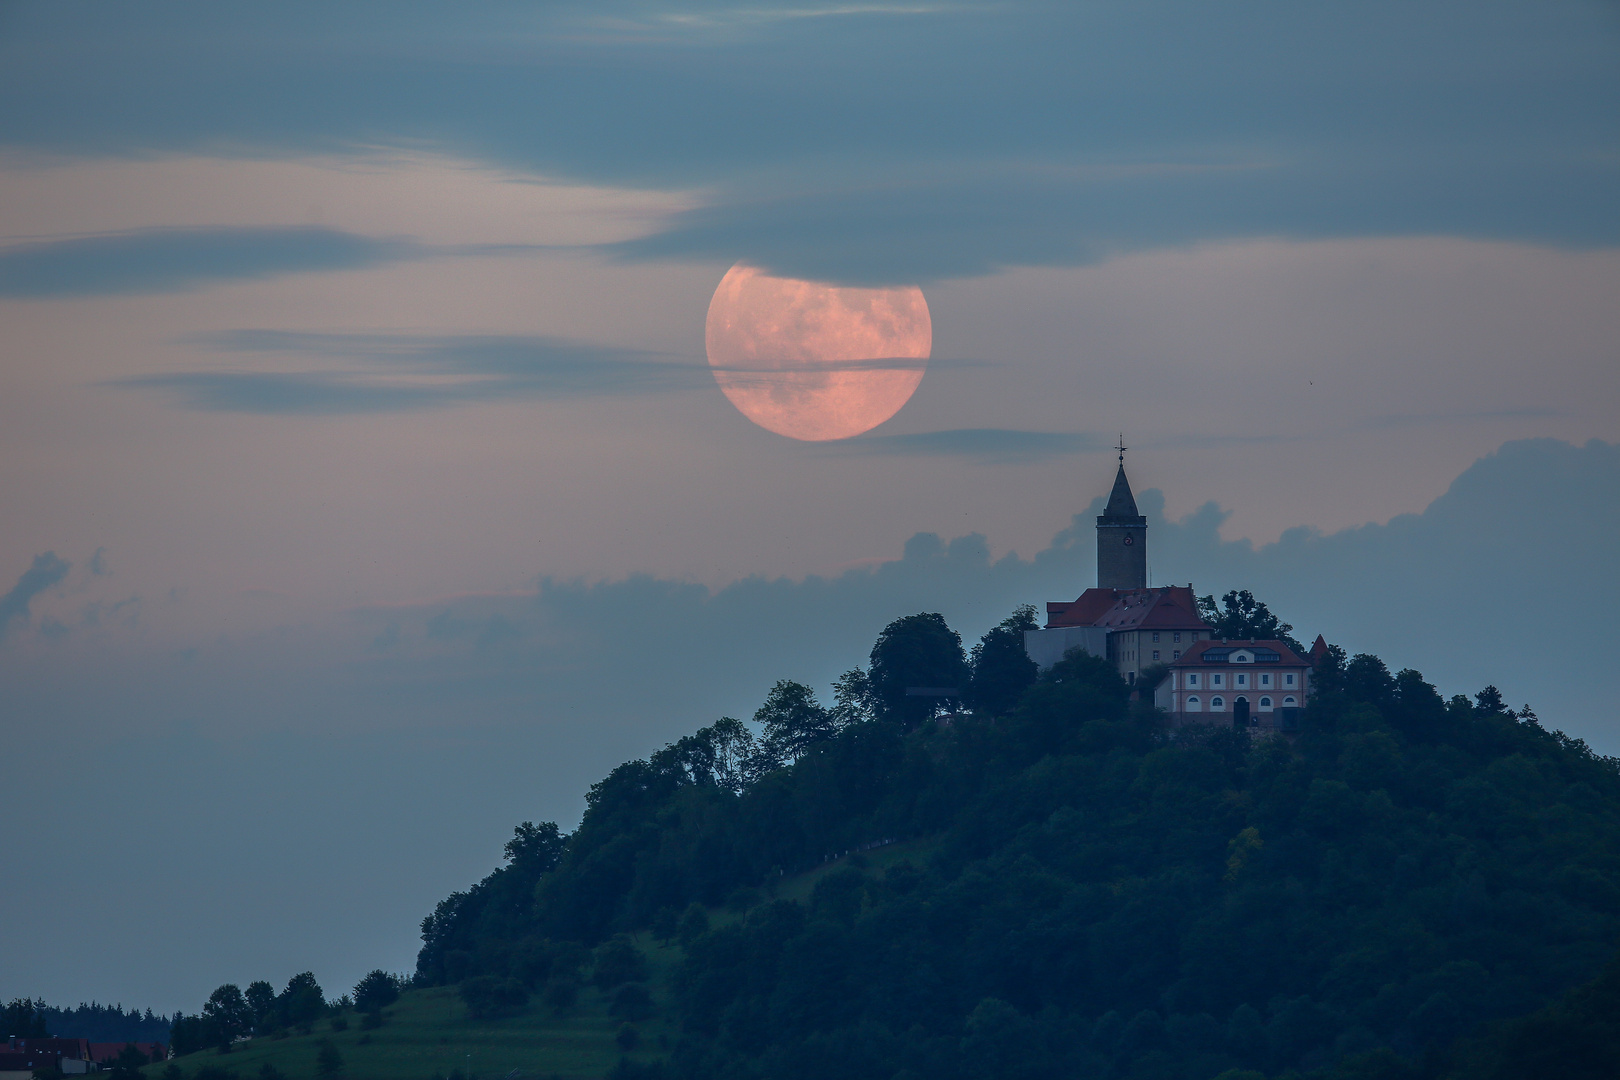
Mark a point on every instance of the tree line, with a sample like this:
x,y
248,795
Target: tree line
x,y
231,1014
1092,893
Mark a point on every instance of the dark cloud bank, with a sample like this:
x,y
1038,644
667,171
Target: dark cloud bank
x,y
907,144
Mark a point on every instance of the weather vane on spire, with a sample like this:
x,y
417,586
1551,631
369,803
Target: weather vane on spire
x,y
1121,447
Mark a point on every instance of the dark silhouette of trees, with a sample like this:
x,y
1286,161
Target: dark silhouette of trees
x,y
379,989
916,652
25,1019
227,1012
1240,616
793,720
1001,669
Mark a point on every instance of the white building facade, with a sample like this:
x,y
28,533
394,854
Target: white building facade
x,y
1250,684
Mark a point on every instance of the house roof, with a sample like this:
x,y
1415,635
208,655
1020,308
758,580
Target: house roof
x,y
1209,653
73,1048
1084,611
1169,607
110,1050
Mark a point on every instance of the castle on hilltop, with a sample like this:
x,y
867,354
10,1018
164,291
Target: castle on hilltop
x,y
1159,642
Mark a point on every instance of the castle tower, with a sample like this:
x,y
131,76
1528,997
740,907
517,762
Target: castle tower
x,y
1121,537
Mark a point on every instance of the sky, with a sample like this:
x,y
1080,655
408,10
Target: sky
x,y
367,490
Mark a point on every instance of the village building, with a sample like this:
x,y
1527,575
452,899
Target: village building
x,y
1155,635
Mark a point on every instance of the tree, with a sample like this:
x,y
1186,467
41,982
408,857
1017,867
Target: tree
x,y
488,996
1240,616
24,1019
618,961
302,1002
915,653
535,848
127,1065
261,1004
793,720
853,702
227,1011
1002,670
328,1062
377,990
1488,702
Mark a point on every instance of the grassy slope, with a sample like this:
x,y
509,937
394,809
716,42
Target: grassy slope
x,y
428,1032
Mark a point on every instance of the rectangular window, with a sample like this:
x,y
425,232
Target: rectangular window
x,y
1155,635
1217,680
1176,655
1243,680
1192,679
1290,680
1265,680
1155,654
1176,637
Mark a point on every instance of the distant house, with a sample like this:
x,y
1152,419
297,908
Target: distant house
x,y
105,1053
20,1057
1249,684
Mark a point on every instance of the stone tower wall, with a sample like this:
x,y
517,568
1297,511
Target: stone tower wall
x,y
1122,564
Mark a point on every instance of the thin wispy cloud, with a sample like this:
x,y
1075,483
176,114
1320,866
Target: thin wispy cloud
x,y
403,372
177,259
981,446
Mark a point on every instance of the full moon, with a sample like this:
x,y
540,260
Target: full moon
x,y
813,361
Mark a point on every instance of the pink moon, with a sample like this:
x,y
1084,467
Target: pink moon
x,y
812,361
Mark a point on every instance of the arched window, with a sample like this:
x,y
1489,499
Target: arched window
x,y
1265,703
1193,704
1216,703
1288,701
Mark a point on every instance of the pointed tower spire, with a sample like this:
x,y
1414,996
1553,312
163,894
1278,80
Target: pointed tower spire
x,y
1121,536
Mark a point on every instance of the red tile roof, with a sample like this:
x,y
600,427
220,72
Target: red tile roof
x,y
107,1051
1170,607
1194,656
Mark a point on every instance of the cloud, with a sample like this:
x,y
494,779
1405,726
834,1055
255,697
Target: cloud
x,y
981,446
47,571
428,730
400,372
897,143
173,260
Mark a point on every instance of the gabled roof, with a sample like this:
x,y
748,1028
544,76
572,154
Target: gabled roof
x,y
1199,654
1169,607
1085,611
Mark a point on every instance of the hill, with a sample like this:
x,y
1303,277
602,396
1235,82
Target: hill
x,y
1056,885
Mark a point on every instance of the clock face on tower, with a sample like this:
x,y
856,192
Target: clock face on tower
x,y
1129,540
